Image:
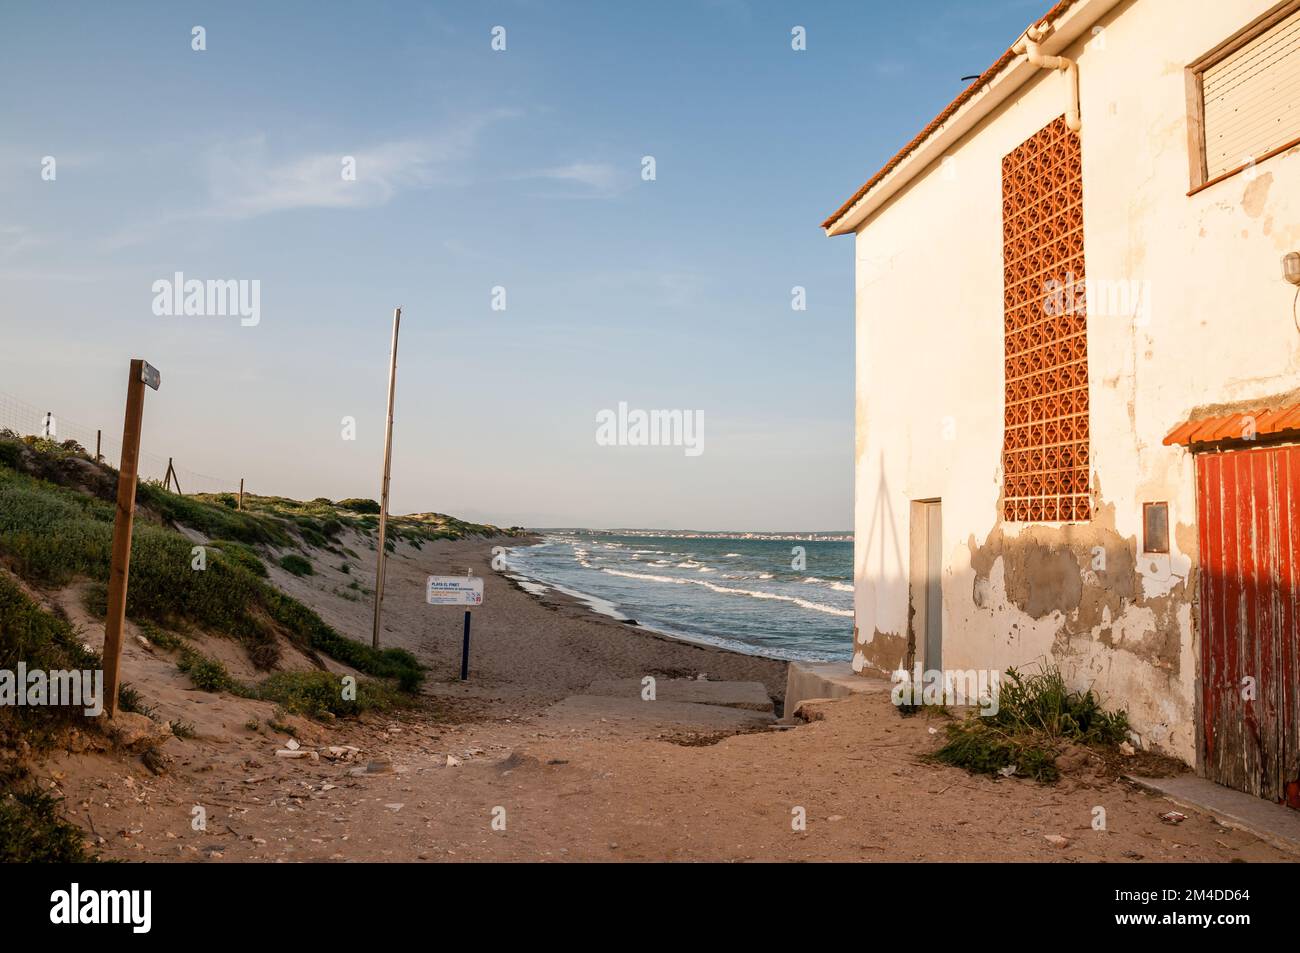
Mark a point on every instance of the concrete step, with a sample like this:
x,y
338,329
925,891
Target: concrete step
x,y
751,696
805,681
608,713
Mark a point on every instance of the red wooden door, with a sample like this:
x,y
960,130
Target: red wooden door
x,y
1248,517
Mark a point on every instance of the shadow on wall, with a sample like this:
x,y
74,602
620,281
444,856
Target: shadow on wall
x,y
884,566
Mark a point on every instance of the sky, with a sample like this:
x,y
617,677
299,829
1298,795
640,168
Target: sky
x,y
482,177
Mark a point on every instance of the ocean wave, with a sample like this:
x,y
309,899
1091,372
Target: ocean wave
x,y
731,590
830,583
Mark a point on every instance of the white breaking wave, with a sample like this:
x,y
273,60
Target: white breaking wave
x,y
837,586
729,590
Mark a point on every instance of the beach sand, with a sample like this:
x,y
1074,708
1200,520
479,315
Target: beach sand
x,y
548,752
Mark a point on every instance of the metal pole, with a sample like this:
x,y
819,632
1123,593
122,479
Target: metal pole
x,y
388,460
120,565
464,651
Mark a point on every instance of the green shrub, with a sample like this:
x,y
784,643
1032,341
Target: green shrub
x,y
210,517
128,699
1037,715
51,535
1042,703
317,693
31,634
359,505
33,831
296,564
242,554
312,629
207,674
161,637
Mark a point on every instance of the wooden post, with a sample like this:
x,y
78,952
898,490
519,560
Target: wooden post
x,y
388,459
99,457
170,479
241,494
120,565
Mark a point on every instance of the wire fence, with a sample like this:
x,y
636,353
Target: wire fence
x,y
25,420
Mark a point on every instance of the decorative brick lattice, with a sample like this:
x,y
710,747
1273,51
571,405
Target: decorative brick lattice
x,y
1045,448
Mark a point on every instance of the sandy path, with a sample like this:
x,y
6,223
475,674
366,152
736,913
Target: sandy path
x,y
569,785
529,650
570,793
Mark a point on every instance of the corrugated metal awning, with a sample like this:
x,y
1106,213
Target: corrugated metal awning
x,y
1232,428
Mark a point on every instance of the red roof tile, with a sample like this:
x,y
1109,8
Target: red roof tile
x,y
940,119
1265,422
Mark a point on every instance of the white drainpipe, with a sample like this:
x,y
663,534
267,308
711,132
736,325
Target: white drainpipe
x,y
1028,46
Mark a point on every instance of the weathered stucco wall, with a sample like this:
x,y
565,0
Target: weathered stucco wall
x,y
1212,324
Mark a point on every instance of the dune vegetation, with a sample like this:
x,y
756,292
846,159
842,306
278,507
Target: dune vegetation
x,y
56,528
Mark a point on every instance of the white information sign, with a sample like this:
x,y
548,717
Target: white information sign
x,y
454,591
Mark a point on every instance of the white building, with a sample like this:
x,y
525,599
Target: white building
x,y
1040,314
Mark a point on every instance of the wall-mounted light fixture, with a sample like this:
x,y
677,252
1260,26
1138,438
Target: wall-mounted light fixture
x,y
1291,267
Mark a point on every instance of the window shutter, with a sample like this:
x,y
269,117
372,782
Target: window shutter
x,y
1252,98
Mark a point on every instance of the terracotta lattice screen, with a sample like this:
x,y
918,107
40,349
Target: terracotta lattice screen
x,y
1045,447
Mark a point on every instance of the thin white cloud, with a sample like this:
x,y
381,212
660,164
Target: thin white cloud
x,y
246,179
15,238
595,178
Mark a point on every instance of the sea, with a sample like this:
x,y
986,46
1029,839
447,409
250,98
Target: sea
x,y
780,595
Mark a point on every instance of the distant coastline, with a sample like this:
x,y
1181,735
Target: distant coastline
x,y
778,535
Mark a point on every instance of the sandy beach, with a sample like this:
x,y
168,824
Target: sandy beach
x,y
548,752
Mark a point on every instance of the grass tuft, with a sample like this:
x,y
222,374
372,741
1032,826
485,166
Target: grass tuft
x,y
1037,716
207,674
297,565
32,829
318,694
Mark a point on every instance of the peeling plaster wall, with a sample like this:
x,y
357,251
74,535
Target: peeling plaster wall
x,y
1213,324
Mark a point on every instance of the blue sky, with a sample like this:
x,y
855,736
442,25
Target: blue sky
x,y
475,169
